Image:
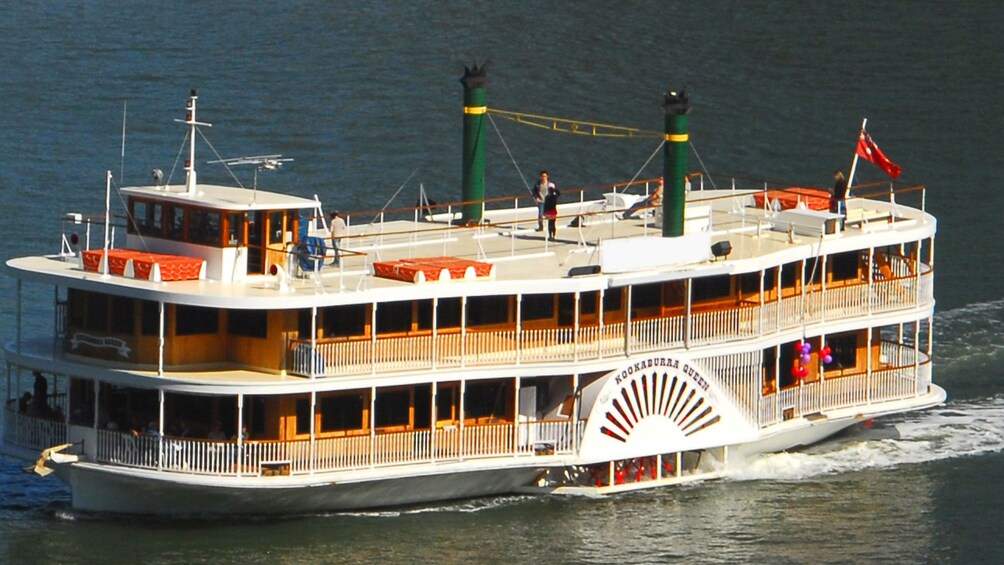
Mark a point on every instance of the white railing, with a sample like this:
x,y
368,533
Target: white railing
x,y
478,348
31,432
253,458
900,375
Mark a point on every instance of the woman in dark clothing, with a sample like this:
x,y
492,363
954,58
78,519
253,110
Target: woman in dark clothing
x,y
839,193
551,210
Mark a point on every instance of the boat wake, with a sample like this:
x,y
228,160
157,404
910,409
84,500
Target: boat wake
x,y
461,507
960,429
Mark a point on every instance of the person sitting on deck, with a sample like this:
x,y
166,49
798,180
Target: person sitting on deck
x,y
654,199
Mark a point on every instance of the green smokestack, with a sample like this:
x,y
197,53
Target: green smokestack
x,y
674,165
473,177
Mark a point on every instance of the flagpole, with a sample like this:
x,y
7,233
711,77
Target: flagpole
x,y
854,163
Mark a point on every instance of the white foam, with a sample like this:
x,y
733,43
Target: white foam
x,y
954,431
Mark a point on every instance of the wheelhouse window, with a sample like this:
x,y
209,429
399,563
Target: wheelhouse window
x,y
235,229
176,224
205,227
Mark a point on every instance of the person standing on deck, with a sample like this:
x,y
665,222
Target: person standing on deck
x,y
540,190
551,210
839,193
338,231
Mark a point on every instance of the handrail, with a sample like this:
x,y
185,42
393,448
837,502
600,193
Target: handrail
x,y
341,356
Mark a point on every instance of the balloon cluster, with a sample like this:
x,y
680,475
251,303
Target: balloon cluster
x,y
803,350
827,354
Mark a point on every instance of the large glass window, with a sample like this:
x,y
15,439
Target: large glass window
x,y
205,227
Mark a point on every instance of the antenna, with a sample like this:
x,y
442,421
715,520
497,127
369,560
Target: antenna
x,y
260,162
190,120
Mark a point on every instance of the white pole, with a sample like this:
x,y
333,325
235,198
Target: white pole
x,y
108,206
854,163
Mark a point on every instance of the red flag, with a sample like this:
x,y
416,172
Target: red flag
x,y
871,152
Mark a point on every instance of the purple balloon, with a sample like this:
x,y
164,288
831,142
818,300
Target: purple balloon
x,y
828,359
806,348
806,358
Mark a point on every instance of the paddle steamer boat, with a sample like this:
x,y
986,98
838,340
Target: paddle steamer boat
x,y
208,358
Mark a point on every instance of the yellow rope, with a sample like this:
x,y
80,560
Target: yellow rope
x,y
564,125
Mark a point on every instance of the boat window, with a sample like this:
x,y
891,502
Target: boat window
x,y
770,279
204,227
302,416
342,413
392,408
448,313
123,315
674,294
235,229
138,216
587,302
537,307
844,350
176,227
195,320
77,307
712,288
487,310
275,227
97,312
791,273
446,400
646,296
248,323
344,321
844,266
484,400
749,284
393,317
613,299
150,318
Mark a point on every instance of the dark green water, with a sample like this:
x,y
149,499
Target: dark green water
x,y
362,96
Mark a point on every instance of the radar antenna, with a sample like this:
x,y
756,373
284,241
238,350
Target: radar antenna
x,y
260,162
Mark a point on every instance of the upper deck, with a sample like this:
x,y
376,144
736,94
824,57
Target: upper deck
x,y
614,252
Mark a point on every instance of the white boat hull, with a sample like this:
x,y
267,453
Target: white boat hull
x,y
97,489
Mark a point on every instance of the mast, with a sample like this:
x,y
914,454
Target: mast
x,y
854,163
674,165
473,176
190,176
